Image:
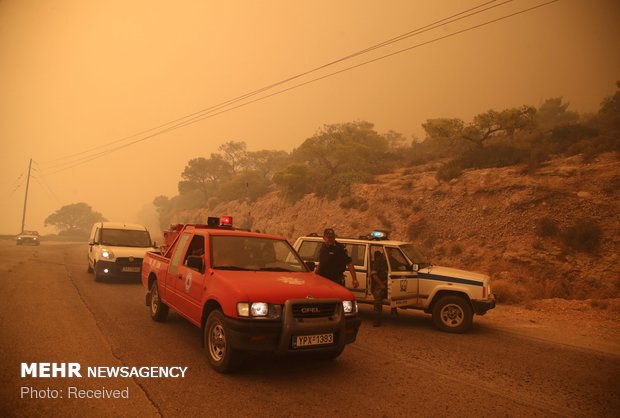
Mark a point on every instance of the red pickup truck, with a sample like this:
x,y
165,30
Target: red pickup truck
x,y
247,292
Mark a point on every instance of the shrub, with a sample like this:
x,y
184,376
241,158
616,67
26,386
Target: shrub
x,y
583,236
385,222
456,250
355,203
546,227
508,292
494,155
450,170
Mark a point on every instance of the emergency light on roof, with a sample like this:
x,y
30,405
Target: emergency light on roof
x,y
221,221
378,235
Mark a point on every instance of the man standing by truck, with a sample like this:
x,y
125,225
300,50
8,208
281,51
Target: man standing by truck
x,y
334,259
379,275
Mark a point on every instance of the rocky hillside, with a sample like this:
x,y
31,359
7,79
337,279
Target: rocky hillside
x,y
553,232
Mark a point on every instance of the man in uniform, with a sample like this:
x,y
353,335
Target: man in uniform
x,y
379,276
333,259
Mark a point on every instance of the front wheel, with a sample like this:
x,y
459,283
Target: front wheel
x,y
222,356
159,310
452,314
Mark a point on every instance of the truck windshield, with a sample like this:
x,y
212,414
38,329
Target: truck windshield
x,y
414,255
253,253
125,238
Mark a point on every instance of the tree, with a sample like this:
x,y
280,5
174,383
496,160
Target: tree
x,y
553,112
235,154
75,218
267,162
294,180
204,175
508,121
443,128
611,104
343,147
609,113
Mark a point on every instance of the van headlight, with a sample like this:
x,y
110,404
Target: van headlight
x,y
107,254
349,307
258,310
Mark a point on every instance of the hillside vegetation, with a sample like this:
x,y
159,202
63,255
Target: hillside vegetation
x,y
527,195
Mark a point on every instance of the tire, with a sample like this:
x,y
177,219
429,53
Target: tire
x,y
89,269
222,357
452,314
159,310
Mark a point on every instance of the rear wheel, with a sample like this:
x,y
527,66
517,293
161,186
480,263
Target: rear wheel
x,y
452,314
159,310
222,356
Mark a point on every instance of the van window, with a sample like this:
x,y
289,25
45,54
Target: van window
x,y
124,238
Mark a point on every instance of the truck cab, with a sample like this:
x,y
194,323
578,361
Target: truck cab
x,y
247,292
451,295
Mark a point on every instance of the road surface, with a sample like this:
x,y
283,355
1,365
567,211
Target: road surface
x,y
54,311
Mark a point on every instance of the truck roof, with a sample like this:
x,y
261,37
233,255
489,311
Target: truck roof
x,y
357,240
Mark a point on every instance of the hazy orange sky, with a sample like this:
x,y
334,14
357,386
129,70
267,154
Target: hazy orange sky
x,y
78,76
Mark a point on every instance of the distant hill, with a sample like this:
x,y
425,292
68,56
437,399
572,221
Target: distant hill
x,y
554,232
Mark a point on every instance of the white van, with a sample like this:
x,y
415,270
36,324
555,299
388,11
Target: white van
x,y
116,249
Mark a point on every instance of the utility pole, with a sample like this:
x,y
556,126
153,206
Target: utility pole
x,y
26,197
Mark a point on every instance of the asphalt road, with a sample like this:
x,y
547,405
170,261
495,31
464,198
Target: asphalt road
x,y
54,311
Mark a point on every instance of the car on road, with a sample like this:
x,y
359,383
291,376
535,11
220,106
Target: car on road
x,y
28,238
248,292
451,295
116,249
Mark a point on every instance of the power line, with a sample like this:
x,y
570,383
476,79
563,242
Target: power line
x,y
273,85
215,110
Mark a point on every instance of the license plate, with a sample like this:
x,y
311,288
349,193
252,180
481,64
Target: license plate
x,y
130,269
310,340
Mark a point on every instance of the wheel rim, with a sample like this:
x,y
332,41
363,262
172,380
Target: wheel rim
x,y
154,299
452,315
217,342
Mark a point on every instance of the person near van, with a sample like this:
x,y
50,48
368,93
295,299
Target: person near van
x,y
379,275
334,259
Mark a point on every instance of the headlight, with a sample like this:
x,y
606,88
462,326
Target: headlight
x,y
107,254
258,310
350,307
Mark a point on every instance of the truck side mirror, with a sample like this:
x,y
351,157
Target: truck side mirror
x,y
311,265
415,267
195,262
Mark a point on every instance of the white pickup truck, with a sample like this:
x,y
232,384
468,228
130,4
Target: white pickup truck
x,y
451,295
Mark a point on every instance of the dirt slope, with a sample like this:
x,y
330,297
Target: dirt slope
x,y
487,220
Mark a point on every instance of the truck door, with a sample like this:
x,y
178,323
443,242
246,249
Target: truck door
x,y
172,276
358,254
402,280
190,281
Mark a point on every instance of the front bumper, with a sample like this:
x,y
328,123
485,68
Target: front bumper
x,y
116,269
481,306
277,336
26,241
